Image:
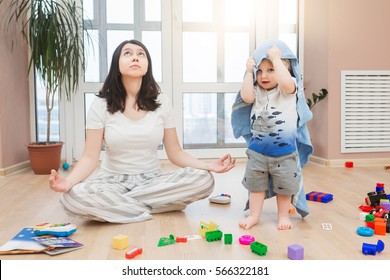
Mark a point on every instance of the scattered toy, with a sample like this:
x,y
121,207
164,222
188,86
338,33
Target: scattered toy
x,y
166,241
372,249
214,235
120,241
295,252
228,238
319,196
327,226
258,248
246,239
220,198
365,231
65,229
133,253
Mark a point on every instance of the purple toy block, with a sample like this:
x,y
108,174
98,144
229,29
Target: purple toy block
x,y
385,205
295,252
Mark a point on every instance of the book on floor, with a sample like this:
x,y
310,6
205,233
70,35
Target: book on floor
x,y
26,242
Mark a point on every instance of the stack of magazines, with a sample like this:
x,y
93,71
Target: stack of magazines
x,y
26,241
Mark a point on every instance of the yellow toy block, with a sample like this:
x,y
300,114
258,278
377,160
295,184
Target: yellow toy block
x,y
120,242
207,227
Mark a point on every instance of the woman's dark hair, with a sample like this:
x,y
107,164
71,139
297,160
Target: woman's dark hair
x,y
114,92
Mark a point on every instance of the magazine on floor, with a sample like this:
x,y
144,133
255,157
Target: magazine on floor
x,y
26,242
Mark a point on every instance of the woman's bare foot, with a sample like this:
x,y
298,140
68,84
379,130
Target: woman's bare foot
x,y
249,222
284,223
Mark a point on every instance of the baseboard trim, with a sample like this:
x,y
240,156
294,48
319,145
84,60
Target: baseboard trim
x,y
14,168
356,162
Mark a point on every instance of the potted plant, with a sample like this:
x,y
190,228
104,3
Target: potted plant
x,y
54,33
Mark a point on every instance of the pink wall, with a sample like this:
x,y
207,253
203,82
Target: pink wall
x,y
341,35
14,101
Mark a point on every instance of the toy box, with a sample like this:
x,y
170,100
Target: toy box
x,y
319,196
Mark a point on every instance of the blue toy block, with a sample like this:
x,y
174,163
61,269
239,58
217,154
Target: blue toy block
x,y
319,196
295,252
372,249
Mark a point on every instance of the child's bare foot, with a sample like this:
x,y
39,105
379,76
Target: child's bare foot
x,y
284,223
249,222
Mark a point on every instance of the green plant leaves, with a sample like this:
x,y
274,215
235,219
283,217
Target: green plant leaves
x,y
317,97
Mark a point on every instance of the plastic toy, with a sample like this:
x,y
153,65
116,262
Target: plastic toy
x,y
327,226
246,239
366,208
373,198
319,196
55,229
65,166
133,253
207,227
295,252
380,228
214,235
385,205
220,199
380,187
370,218
349,164
228,238
365,231
120,242
362,216
258,248
166,241
181,239
372,249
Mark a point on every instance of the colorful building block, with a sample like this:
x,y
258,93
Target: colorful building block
x,y
380,228
181,239
385,204
295,252
319,196
258,248
214,235
372,249
228,238
120,242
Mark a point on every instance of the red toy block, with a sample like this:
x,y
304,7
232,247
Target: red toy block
x,y
181,239
349,164
319,196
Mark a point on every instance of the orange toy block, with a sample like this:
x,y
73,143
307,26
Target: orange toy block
x,y
380,228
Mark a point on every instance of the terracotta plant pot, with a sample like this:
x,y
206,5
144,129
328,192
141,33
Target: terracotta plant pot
x,y
45,157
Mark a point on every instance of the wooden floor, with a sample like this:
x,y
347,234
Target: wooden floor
x,y
25,200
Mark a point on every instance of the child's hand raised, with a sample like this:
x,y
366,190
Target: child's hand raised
x,y
274,53
250,65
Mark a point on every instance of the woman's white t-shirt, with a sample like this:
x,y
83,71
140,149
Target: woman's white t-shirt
x,y
131,146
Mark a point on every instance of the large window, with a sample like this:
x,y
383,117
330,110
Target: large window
x,y
199,49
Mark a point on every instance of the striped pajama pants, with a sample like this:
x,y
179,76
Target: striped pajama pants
x,y
128,198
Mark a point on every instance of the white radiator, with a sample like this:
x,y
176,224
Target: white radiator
x,y
365,111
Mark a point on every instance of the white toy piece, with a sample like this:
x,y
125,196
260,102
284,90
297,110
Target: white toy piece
x,y
220,198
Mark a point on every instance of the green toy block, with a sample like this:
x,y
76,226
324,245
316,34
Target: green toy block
x,y
228,238
214,235
258,248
